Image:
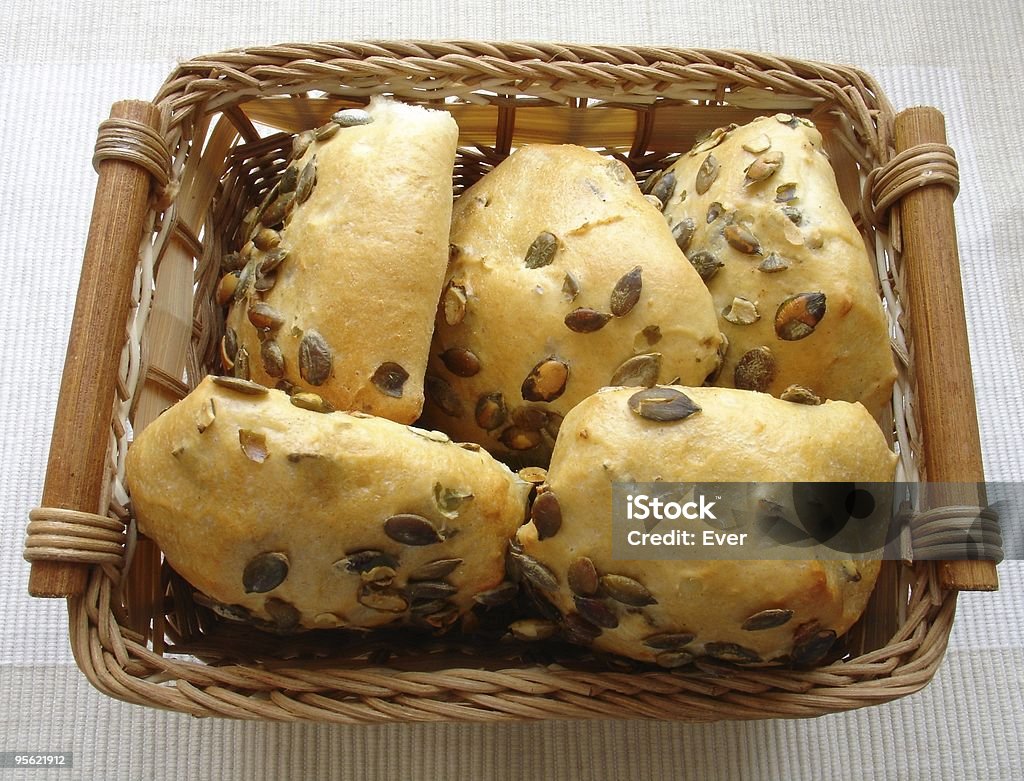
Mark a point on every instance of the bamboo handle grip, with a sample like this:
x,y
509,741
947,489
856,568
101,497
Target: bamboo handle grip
x,y
81,427
942,365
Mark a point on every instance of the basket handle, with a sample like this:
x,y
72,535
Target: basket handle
x,y
127,165
942,363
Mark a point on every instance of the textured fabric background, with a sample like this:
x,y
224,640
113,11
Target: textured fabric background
x,y
64,63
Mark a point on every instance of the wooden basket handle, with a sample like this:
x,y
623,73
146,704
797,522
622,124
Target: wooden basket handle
x,y
130,156
945,402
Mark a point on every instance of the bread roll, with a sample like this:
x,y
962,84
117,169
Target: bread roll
x,y
670,612
564,279
758,211
365,245
295,518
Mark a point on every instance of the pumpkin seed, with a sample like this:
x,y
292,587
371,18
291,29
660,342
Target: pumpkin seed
x,y
627,590
763,167
448,500
798,394
798,316
390,379
787,119
535,572
662,405
811,643
240,385
542,251
310,401
546,515
535,475
706,263
266,239
626,292
501,594
429,589
582,577
712,139
434,570
384,599
285,615
715,211
720,352
767,619
641,370
410,529
272,260
670,660
382,576
731,652
669,641
786,193
515,438
741,312
774,262
664,187
306,181
529,418
570,287
491,412
682,232
755,370
579,630
651,180
546,381
585,320
596,612
758,145
229,345
277,211
241,368
794,215
264,317
350,117
254,445
655,202
272,358
532,629
442,395
740,238
454,303
359,562
301,143
288,179
264,572
460,361
706,174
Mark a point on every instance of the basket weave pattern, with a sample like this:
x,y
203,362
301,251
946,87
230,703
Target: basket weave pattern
x,y
227,123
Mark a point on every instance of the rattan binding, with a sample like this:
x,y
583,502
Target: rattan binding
x,y
137,632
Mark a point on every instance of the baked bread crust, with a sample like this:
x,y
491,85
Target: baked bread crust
x,y
795,276
228,482
736,436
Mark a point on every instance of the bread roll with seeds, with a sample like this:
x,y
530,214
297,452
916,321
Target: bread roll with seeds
x,y
758,212
564,279
669,612
350,309
295,518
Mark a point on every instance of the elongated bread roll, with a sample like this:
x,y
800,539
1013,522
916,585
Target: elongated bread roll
x,y
758,212
294,518
670,612
564,279
365,245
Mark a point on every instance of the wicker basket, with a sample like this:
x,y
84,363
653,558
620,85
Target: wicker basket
x,y
176,176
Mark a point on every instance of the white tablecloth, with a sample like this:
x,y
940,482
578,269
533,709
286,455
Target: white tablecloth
x,y
63,64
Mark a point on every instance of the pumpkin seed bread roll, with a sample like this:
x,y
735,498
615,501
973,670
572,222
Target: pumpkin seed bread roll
x,y
670,612
758,212
291,518
564,279
346,263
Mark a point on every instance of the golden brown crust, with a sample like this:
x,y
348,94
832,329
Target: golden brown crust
x,y
736,436
782,231
561,273
366,257
224,477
